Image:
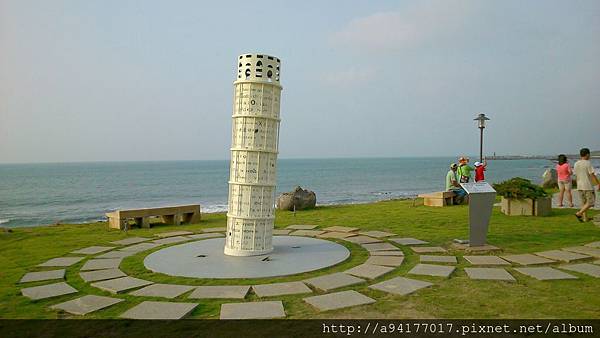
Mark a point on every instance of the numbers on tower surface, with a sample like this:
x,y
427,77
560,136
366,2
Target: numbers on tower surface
x,y
253,99
255,133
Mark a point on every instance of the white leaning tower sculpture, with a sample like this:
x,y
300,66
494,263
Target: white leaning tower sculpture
x,y
254,148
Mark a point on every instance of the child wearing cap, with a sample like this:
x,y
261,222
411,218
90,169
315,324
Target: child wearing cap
x,y
479,169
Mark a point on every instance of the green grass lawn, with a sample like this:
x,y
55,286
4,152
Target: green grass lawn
x,y
457,297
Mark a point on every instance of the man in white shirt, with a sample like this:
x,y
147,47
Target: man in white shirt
x,y
586,179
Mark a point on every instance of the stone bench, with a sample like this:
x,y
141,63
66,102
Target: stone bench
x,y
438,199
170,215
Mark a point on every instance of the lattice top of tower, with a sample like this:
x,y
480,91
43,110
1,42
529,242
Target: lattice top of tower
x,y
259,67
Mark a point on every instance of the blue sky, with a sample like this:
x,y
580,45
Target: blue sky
x,y
152,80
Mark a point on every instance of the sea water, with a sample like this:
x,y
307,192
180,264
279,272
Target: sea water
x,y
41,194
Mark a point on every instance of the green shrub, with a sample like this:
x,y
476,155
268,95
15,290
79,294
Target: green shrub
x,y
520,188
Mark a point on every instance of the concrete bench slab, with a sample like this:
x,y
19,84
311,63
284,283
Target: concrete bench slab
x,y
386,253
253,310
97,275
385,260
560,255
171,240
338,300
159,310
408,241
43,275
99,264
545,273
527,259
122,284
302,227
163,290
62,261
116,254
376,233
379,247
337,228
369,271
131,240
428,249
486,260
92,250
306,233
281,232
216,229
206,236
333,281
432,270
363,239
174,233
86,304
400,286
336,234
489,274
137,248
48,291
280,289
594,244
584,250
437,259
220,292
585,268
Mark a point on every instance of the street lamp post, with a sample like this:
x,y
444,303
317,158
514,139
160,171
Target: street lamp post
x,y
481,123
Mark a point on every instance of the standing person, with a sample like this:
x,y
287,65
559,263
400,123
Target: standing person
x,y
586,179
464,170
479,169
564,172
453,185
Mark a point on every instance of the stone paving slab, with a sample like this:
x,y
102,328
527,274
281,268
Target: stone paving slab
x,y
428,249
136,248
408,241
86,304
489,274
545,273
48,291
280,289
220,292
131,240
585,250
171,240
336,234
387,253
594,244
486,260
379,246
363,240
281,232
585,268
368,271
92,250
597,262
96,275
437,259
385,260
400,286
62,261
159,310
338,300
307,233
377,233
121,284
216,229
560,255
527,259
337,228
253,310
205,236
162,290
302,227
43,275
99,264
333,281
432,270
116,254
174,233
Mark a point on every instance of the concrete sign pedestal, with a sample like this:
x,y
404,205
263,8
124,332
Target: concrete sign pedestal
x,y
481,202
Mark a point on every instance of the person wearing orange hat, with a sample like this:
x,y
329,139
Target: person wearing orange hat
x,y
464,170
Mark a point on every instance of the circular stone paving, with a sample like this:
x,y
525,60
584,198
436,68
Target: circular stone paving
x,y
205,259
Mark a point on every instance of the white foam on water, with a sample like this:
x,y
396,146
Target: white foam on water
x,y
2,221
